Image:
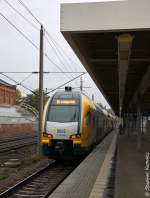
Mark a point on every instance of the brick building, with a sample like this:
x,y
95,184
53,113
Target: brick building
x,y
7,93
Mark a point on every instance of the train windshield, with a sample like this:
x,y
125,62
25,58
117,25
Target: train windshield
x,y
63,113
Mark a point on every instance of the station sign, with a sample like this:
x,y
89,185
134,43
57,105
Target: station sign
x,y
65,102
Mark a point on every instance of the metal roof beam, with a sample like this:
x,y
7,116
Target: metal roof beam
x,y
124,51
113,60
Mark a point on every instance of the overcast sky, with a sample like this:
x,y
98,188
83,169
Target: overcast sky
x,y
16,54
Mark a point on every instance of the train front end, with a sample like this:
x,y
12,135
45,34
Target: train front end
x,y
61,137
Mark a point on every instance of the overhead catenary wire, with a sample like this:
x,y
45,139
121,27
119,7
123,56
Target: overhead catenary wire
x,y
65,83
39,22
57,54
30,74
30,41
23,4
27,77
17,83
36,72
31,13
59,46
48,34
56,48
45,54
20,14
87,81
16,72
56,65
25,87
18,30
64,88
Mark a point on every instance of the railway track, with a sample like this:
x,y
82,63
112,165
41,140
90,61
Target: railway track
x,y
7,144
42,183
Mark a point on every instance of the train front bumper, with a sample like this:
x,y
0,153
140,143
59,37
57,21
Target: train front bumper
x,y
52,147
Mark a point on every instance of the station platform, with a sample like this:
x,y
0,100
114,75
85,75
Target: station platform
x,y
130,171
89,179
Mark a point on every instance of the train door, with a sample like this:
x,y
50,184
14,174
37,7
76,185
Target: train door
x,y
97,129
100,123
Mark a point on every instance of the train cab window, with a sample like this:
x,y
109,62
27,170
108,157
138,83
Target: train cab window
x,y
63,114
88,118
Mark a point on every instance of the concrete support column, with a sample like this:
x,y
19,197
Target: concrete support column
x,y
139,134
128,127
135,124
142,126
147,126
131,126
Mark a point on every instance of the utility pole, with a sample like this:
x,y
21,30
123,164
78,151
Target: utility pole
x,y
93,97
41,100
81,84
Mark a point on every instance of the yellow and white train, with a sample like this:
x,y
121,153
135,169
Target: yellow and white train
x,y
73,124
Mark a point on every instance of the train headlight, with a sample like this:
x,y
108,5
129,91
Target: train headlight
x,y
49,135
72,137
75,136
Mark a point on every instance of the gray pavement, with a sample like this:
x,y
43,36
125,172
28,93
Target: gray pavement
x,y
130,172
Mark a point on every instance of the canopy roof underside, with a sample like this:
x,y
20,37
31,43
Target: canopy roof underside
x,y
117,58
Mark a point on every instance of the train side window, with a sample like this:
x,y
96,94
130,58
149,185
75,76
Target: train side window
x,y
88,118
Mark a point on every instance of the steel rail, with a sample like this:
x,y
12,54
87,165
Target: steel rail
x,y
10,139
15,144
42,183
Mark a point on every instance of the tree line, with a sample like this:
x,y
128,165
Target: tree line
x,y
30,99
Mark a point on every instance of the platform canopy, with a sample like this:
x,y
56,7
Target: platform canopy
x,y
112,40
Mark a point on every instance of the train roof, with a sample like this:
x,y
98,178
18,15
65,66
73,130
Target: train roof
x,y
74,94
67,94
104,111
